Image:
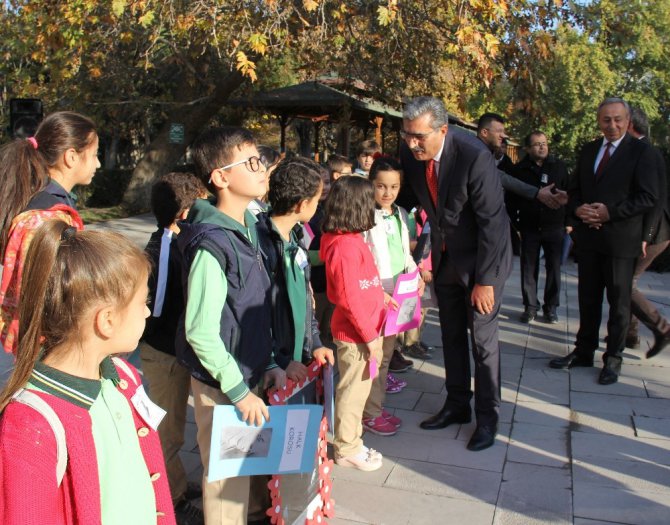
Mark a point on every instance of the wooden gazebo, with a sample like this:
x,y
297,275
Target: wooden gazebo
x,y
319,102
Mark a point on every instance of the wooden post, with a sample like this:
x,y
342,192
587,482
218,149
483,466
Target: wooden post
x,y
317,128
378,121
283,122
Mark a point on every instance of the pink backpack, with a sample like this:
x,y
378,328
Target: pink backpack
x,y
21,233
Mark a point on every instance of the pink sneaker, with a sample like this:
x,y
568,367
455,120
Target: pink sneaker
x,y
379,426
392,388
393,379
395,421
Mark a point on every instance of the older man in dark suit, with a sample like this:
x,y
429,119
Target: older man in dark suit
x,y
613,186
453,176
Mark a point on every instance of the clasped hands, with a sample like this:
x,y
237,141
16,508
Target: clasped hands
x,y
594,215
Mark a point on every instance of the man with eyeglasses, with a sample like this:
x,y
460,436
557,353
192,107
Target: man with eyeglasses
x,y
454,178
491,131
541,227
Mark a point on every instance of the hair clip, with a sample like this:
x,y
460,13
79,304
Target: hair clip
x,y
68,233
33,141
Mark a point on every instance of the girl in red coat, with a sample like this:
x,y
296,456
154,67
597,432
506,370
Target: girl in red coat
x,y
77,433
354,287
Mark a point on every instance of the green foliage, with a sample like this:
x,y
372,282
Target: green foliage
x,y
106,189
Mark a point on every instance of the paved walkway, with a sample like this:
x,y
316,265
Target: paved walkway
x,y
569,450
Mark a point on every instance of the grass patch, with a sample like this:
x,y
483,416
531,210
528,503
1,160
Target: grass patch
x,y
93,215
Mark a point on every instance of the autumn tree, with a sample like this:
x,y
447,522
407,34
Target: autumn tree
x,y
146,68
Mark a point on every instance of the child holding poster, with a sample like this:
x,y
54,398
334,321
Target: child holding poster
x,y
389,243
354,287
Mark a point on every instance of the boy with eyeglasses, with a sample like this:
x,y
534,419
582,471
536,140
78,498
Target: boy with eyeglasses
x,y
226,332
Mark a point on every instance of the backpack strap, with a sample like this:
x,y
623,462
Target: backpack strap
x,y
120,363
37,403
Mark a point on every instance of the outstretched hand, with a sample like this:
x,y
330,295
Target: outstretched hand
x,y
552,197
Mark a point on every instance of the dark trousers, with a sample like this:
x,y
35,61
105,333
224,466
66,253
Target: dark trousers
x,y
457,316
640,307
551,241
600,273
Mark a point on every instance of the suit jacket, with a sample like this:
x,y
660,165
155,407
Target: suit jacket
x,y
656,226
628,186
470,217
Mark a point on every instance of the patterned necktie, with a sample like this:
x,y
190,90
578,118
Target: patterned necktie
x,y
603,162
431,180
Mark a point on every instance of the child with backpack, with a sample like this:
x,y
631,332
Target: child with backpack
x,y
37,175
389,243
295,191
78,440
169,383
225,339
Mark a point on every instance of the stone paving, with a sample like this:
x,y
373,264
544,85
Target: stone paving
x,y
569,450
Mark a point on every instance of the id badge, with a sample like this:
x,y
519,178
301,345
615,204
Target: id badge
x,y
150,412
544,178
301,259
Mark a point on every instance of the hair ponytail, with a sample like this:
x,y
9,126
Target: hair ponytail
x,y
67,273
31,307
23,173
24,168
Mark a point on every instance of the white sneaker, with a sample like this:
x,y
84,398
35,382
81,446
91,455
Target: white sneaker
x,y
366,460
372,452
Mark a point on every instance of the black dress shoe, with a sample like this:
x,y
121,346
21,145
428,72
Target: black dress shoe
x,y
607,376
447,416
528,315
571,360
660,342
483,437
611,370
551,317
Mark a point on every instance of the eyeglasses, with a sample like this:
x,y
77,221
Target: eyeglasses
x,y
538,144
418,136
253,164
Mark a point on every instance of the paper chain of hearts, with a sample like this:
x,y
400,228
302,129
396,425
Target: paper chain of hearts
x,y
280,395
327,508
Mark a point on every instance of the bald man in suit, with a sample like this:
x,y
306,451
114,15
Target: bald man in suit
x,y
614,185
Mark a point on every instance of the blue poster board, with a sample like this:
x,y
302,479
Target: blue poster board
x,y
284,445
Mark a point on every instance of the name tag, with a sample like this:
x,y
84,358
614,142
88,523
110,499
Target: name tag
x,y
388,226
301,259
544,178
148,410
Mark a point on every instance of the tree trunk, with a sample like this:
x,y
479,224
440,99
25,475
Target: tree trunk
x,y
111,150
161,155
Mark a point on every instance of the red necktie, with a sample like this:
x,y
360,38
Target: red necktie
x,y
431,180
603,162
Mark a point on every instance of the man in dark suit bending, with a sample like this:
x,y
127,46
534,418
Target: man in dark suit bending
x,y
454,177
613,186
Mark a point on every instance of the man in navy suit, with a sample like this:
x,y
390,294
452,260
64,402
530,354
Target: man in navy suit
x,y
613,186
454,178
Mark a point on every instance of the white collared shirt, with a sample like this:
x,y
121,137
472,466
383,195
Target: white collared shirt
x,y
437,158
601,152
